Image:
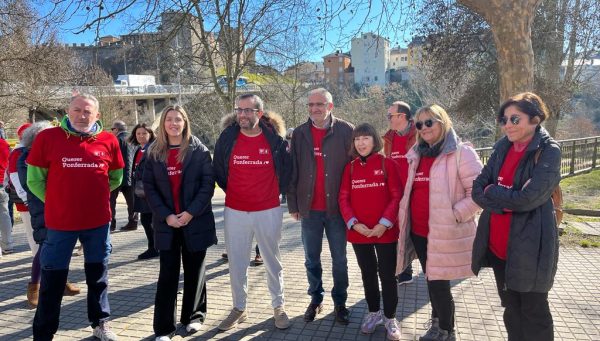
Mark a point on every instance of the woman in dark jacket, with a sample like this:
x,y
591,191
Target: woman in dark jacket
x,y
179,184
141,137
517,234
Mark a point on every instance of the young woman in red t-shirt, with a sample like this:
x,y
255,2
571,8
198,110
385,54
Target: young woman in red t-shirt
x,y
179,185
369,197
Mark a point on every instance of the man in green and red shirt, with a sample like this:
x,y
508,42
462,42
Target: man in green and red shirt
x,y
396,143
72,169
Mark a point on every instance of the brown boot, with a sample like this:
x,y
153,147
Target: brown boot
x,y
33,291
71,289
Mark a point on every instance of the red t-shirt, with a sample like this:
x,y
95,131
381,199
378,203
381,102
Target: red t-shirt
x,y
175,173
370,197
398,154
319,202
12,168
138,157
251,183
500,223
77,185
419,200
4,152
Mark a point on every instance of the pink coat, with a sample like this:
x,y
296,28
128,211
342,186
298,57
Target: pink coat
x,y
452,212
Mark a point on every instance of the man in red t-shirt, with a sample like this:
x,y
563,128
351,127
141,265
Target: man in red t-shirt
x,y
252,165
72,168
320,151
396,143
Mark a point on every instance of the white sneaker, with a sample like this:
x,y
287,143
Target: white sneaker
x,y
282,321
392,329
193,327
370,322
103,332
163,338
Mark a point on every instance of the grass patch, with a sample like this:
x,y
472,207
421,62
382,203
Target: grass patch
x,y
582,191
572,236
579,218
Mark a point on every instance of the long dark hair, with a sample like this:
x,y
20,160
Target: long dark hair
x,y
133,140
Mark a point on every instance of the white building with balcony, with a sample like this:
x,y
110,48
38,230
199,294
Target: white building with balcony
x,y
370,58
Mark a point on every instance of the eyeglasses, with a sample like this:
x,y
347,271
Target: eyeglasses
x,y
428,123
318,104
389,116
514,119
245,111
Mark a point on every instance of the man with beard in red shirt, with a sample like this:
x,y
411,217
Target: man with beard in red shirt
x,y
396,143
252,165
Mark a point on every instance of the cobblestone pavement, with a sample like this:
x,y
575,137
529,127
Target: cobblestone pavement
x,y
574,300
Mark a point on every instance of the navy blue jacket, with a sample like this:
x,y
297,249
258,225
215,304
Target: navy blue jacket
x,y
196,192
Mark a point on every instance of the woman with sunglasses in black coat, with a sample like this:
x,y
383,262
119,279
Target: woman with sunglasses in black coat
x,y
517,234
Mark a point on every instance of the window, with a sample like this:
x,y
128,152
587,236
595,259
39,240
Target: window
x,y
326,70
375,78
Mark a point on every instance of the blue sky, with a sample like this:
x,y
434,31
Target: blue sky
x,y
341,29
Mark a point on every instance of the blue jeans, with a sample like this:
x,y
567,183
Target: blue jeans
x,y
55,256
312,239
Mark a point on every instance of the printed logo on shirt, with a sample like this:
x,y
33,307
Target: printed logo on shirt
x,y
317,152
172,171
99,153
420,178
263,151
378,172
397,155
500,179
362,183
77,162
245,160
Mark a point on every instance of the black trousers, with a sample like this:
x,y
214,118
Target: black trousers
x,y
527,315
194,287
379,259
146,219
128,194
440,295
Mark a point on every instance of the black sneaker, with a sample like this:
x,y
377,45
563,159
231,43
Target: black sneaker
x,y
342,315
404,278
150,253
311,311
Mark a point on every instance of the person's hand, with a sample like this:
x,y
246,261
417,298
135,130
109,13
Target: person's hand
x,y
295,215
173,221
377,231
184,218
362,229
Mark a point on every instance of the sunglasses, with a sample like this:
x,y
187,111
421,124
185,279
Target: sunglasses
x,y
514,119
428,123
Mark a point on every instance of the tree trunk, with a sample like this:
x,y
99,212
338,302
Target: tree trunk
x,y
510,22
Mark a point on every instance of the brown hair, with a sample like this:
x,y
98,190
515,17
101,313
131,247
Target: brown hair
x,y
365,129
529,104
133,140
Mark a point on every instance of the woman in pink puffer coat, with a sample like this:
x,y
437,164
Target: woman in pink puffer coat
x,y
437,214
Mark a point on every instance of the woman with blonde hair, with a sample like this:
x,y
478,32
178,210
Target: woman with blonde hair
x,y
179,184
437,214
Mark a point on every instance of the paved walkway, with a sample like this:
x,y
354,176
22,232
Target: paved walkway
x,y
575,299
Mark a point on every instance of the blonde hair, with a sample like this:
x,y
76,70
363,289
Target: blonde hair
x,y
438,113
159,150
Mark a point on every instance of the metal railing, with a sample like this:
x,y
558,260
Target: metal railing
x,y
578,155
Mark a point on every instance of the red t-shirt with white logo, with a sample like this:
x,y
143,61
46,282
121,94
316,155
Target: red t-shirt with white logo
x,y
12,168
138,157
419,200
398,155
175,173
251,183
77,185
319,202
500,223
